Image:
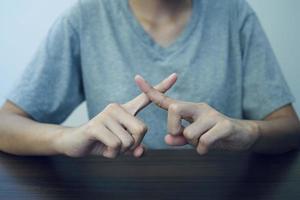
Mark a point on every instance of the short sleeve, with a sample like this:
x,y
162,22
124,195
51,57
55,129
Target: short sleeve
x,y
264,87
51,85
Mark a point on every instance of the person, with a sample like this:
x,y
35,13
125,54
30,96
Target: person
x,y
229,93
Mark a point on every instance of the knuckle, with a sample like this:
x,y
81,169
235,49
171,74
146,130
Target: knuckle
x,y
128,142
141,128
105,116
205,141
174,107
89,128
162,101
213,114
227,125
112,107
188,133
116,145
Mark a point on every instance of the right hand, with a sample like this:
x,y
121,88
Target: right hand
x,y
115,130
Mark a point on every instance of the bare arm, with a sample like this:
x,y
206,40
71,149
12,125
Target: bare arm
x,y
22,136
279,132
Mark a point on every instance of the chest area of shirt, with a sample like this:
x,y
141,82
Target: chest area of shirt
x,y
200,79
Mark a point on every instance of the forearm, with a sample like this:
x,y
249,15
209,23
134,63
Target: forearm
x,y
277,135
22,136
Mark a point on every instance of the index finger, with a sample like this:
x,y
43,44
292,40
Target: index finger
x,y
154,95
141,101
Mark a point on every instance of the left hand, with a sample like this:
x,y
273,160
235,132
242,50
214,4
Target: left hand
x,y
208,129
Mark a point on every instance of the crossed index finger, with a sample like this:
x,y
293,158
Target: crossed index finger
x,y
138,103
154,95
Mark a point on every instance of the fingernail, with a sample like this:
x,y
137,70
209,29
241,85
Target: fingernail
x,y
138,77
174,74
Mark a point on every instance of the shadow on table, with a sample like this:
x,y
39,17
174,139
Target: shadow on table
x,y
267,177
37,178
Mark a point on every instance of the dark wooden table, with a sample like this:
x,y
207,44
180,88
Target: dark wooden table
x,y
168,174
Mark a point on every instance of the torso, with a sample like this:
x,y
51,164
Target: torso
x,y
209,69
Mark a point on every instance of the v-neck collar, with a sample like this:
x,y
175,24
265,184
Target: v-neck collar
x,y
149,42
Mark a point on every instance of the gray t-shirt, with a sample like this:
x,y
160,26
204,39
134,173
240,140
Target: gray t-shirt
x,y
94,50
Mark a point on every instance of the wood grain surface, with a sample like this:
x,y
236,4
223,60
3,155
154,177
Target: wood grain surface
x,y
160,174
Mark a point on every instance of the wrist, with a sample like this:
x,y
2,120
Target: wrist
x,y
58,141
249,132
254,132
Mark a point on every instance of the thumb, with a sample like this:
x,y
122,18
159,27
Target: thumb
x,y
175,140
141,101
139,151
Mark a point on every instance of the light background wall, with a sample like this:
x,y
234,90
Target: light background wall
x,y
23,24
